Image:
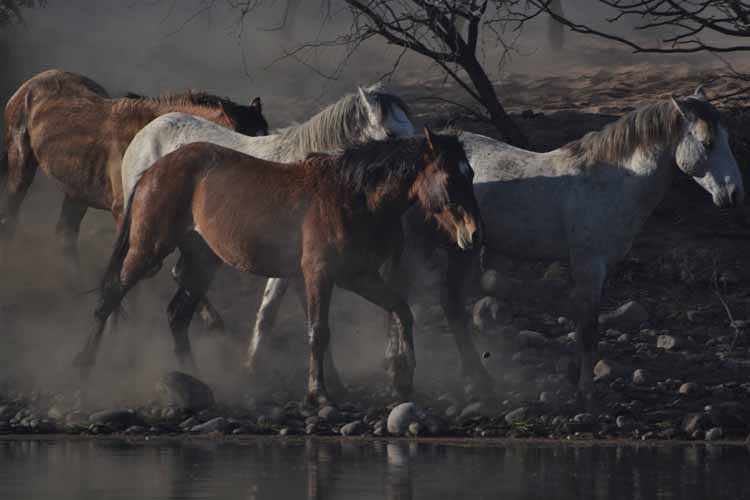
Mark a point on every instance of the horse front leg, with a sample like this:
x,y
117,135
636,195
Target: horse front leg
x,y
333,378
67,230
400,357
319,288
589,276
450,299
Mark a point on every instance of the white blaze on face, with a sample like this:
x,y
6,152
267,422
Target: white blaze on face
x,y
722,177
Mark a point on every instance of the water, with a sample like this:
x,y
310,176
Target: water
x,y
272,469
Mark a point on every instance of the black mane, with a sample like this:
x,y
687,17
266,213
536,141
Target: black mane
x,y
367,166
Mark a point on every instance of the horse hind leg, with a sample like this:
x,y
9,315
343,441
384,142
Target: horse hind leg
x,y
400,356
211,317
194,271
589,276
450,300
113,291
17,170
66,231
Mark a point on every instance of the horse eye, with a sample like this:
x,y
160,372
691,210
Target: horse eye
x,y
708,144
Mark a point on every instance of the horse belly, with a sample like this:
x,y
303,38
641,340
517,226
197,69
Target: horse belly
x,y
256,253
523,220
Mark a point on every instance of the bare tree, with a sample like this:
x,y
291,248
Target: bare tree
x,y
447,32
669,26
11,10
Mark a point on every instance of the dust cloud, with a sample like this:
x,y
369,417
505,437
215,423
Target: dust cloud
x,y
155,47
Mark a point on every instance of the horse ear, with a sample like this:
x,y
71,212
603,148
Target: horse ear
x,y
257,104
700,93
365,98
678,106
430,139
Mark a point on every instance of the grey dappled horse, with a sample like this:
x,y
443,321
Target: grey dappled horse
x,y
585,202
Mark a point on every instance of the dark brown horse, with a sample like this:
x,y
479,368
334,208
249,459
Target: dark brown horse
x,y
67,125
322,222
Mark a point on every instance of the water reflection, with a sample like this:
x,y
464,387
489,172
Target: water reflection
x,y
314,470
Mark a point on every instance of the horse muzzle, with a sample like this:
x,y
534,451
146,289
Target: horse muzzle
x,y
468,239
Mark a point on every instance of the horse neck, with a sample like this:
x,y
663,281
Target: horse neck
x,y
647,175
393,197
215,115
324,132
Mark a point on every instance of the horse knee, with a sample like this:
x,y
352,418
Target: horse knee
x,y
318,337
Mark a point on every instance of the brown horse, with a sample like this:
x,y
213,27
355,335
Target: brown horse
x,y
67,125
325,221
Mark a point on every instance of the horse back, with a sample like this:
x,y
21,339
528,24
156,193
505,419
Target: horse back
x,y
248,210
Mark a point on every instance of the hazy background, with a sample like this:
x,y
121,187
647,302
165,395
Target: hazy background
x,y
150,47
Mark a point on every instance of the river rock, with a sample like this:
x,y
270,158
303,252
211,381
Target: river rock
x,y
488,315
472,410
548,398
625,423
355,428
517,415
531,339
714,433
689,389
184,391
629,315
606,369
56,413
218,424
640,377
401,416
116,420
492,283
695,422
667,342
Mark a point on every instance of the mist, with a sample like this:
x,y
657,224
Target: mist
x,y
151,48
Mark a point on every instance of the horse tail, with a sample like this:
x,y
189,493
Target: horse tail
x,y
120,250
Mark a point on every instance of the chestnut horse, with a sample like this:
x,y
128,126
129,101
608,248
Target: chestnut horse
x,y
320,223
67,125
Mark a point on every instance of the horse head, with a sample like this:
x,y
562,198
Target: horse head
x,y
703,152
247,120
445,189
387,116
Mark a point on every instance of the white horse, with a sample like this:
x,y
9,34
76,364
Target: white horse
x,y
587,201
369,114
583,203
